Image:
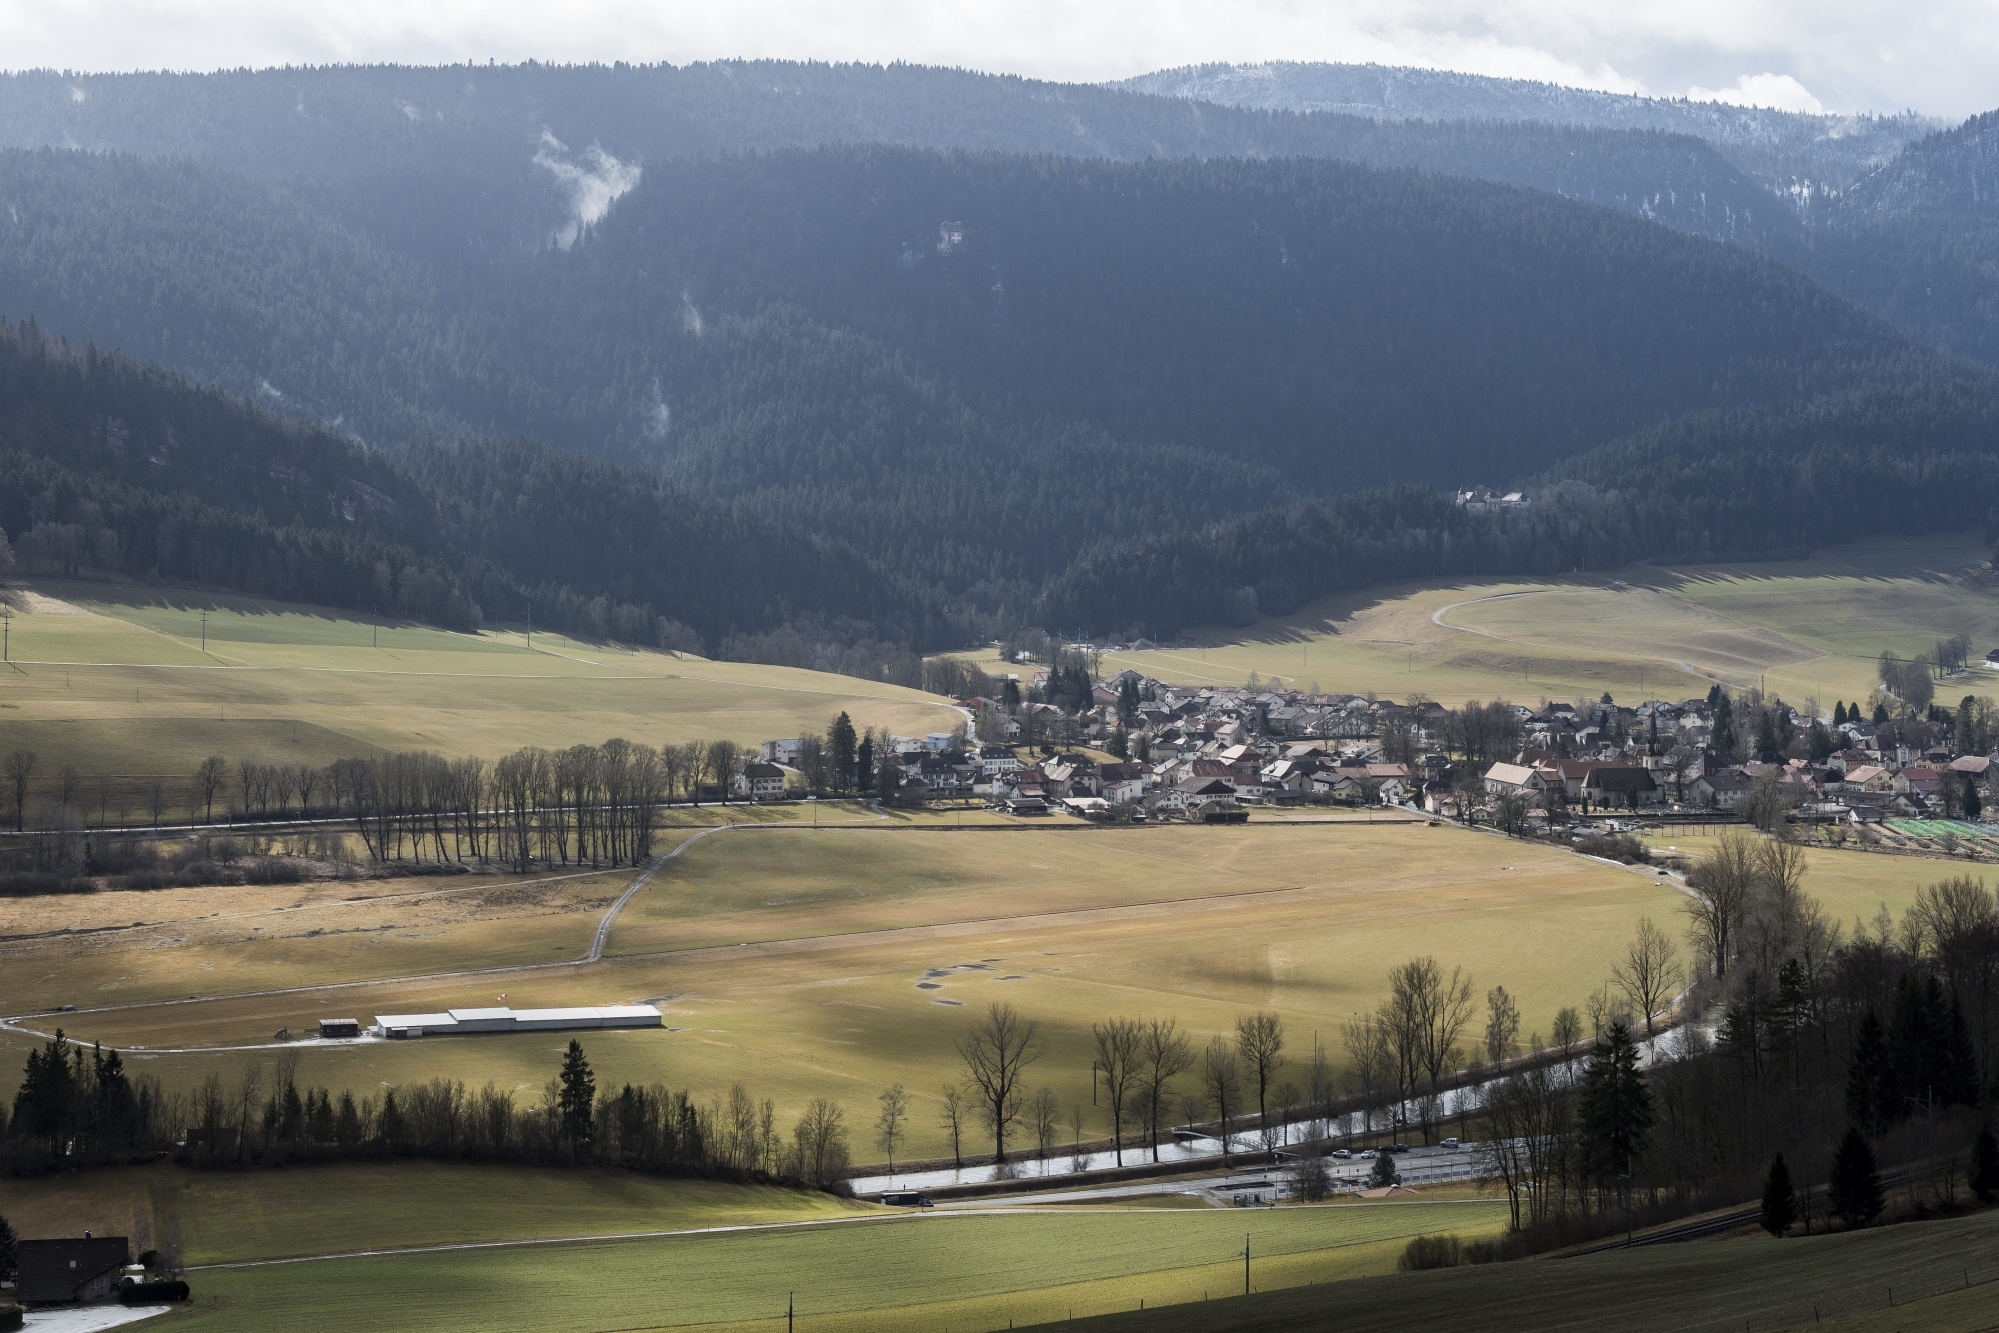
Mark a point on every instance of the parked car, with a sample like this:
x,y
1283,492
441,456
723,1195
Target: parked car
x,y
1448,1143
1342,1154
1398,1147
1368,1155
907,1199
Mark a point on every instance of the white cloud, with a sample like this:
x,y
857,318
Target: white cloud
x,y
1779,91
1852,54
594,182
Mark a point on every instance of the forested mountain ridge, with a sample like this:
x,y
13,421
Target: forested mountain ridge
x,y
1918,240
1895,212
112,466
1291,314
474,165
470,162
1776,480
1781,148
968,367
1952,170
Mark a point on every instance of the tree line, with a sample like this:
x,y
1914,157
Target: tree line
x,y
1836,1052
80,1107
596,805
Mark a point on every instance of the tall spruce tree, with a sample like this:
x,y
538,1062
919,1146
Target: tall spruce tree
x,y
1871,1100
578,1097
1780,1201
1853,1193
1985,1164
1616,1106
842,746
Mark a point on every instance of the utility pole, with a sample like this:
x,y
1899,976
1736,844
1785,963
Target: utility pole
x,y
530,626
1245,1263
789,1305
204,631
6,636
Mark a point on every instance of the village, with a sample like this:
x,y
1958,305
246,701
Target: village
x,y
1139,749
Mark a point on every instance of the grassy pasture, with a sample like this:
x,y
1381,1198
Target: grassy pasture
x,y
231,1216
1941,1274
115,680
966,1271
1810,627
838,961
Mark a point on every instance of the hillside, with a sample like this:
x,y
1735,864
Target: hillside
x,y
1917,241
111,466
1905,460
969,367
469,163
1786,147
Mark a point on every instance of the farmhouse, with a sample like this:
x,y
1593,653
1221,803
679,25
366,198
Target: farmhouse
x,y
760,782
1513,780
65,1271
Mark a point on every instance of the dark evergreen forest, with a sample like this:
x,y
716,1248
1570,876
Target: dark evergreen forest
x,y
108,465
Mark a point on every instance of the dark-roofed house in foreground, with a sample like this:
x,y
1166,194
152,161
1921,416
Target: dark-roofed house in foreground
x,y
61,1272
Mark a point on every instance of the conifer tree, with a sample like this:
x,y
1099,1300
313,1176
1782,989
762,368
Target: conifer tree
x,y
1870,1094
1985,1164
841,745
1780,1201
578,1096
1854,1191
864,763
1616,1106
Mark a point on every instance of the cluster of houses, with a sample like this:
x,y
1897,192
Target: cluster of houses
x,y
1146,749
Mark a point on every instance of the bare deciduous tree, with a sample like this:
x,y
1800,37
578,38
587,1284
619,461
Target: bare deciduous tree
x,y
1259,1038
1221,1079
20,770
1370,1062
1568,1028
1046,1113
1163,1055
820,1142
1721,884
892,1125
1502,1023
996,1051
1117,1065
951,1114
1427,1014
1649,970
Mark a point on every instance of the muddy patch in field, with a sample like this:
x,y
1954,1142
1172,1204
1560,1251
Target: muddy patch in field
x,y
956,1004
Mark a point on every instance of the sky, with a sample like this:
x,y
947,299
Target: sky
x,y
1937,57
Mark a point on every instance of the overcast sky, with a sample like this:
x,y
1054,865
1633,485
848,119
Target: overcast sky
x,y
1937,56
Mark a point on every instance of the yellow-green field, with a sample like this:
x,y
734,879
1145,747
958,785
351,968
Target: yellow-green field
x,y
1937,1276
797,961
237,1216
1801,628
115,680
968,1271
